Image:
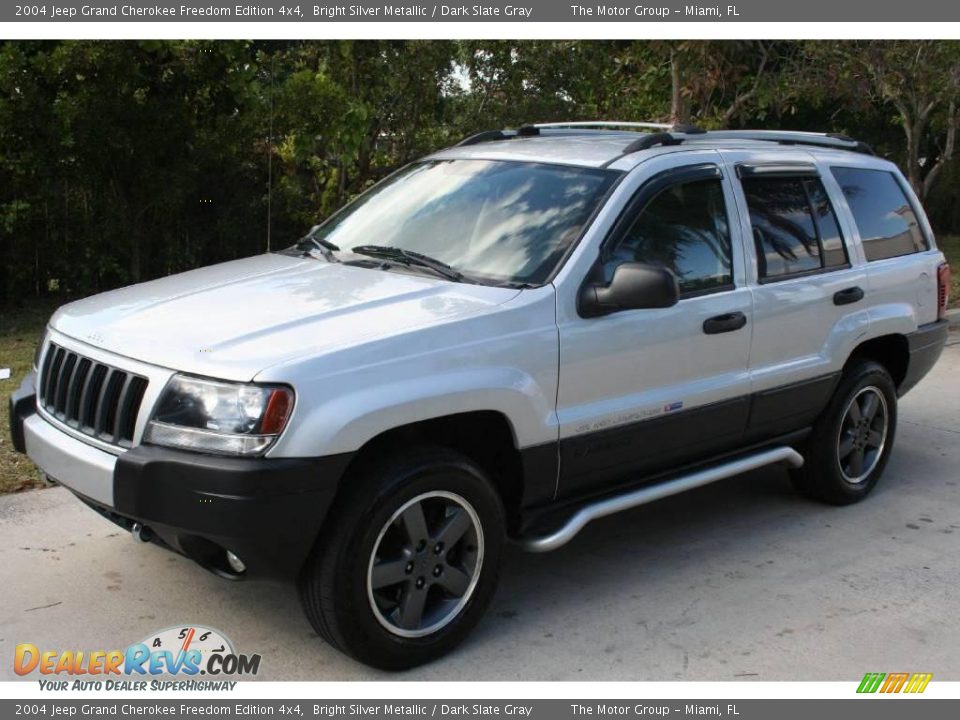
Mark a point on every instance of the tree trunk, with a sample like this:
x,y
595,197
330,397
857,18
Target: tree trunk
x,y
947,153
914,171
38,275
134,256
677,110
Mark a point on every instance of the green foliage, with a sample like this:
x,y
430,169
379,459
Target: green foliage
x,y
19,331
123,161
912,87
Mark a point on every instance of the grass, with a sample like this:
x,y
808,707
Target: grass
x,y
950,245
19,331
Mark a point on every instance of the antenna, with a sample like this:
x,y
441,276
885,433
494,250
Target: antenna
x,y
270,157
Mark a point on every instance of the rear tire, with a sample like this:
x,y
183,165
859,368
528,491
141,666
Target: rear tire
x,y
410,560
851,441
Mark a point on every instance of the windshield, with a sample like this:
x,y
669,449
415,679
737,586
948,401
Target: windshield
x,y
502,221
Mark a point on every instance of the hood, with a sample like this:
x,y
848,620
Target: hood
x,y
238,318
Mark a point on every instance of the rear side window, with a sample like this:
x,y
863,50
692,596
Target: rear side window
x,y
887,223
795,228
831,241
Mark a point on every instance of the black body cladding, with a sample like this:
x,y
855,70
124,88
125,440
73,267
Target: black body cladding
x,y
270,511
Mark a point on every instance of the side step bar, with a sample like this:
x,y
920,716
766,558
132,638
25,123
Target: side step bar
x,y
649,494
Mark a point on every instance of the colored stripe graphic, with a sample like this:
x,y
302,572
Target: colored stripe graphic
x,y
870,682
918,682
894,682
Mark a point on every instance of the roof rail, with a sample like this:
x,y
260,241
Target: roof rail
x,y
796,137
494,135
676,134
613,124
652,140
487,136
603,124
533,129
782,137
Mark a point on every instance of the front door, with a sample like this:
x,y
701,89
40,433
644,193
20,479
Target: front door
x,y
643,390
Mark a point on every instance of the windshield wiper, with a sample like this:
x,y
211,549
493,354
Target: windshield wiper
x,y
326,248
410,258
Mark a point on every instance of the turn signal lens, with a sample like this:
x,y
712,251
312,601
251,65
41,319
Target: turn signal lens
x,y
277,412
943,289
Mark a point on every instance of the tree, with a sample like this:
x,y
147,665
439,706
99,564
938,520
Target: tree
x,y
123,161
919,80
710,83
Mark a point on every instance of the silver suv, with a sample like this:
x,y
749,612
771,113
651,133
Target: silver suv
x,y
506,339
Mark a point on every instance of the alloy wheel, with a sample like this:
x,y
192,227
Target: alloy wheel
x,y
425,564
863,434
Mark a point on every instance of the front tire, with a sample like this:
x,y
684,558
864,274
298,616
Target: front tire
x,y
410,561
851,441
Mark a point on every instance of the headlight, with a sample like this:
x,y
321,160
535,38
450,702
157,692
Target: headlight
x,y
219,417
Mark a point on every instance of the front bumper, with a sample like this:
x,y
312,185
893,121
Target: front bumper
x,y
268,512
81,467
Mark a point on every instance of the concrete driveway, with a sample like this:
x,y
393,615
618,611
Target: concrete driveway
x,y
741,580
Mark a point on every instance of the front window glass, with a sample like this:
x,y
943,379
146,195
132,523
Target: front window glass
x,y
683,229
494,220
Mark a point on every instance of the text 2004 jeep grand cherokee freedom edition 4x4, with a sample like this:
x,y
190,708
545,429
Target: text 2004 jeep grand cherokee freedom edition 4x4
x,y
507,339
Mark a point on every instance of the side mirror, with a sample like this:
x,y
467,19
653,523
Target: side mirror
x,y
634,286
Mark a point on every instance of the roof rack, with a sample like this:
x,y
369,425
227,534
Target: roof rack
x,y
676,134
602,124
487,136
533,129
782,137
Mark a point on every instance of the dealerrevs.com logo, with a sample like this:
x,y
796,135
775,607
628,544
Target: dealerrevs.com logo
x,y
188,651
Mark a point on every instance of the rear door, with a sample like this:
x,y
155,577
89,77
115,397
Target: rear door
x,y
808,285
894,235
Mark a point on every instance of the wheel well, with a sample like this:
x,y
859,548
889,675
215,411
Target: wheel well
x,y
891,351
485,437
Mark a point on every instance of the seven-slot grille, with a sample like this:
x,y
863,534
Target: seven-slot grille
x,y
88,396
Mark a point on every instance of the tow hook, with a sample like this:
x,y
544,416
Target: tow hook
x,y
141,533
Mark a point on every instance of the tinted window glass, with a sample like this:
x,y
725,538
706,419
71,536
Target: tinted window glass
x,y
887,223
783,226
507,221
684,228
831,241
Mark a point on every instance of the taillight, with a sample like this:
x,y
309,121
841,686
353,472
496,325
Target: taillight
x,y
943,289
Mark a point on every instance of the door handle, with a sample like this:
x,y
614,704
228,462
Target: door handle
x,y
848,296
728,322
